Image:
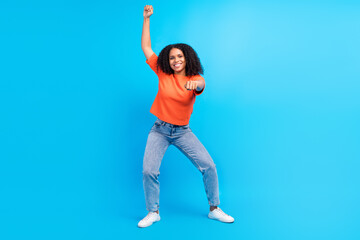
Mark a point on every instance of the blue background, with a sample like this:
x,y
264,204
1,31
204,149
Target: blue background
x,y
279,115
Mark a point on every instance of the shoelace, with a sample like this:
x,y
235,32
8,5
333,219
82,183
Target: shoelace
x,y
220,211
148,216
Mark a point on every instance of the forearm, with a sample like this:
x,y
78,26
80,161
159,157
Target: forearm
x,y
145,37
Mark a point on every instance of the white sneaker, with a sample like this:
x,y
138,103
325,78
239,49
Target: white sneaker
x,y
219,215
149,219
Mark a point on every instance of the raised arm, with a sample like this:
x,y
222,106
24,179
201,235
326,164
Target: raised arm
x,y
145,37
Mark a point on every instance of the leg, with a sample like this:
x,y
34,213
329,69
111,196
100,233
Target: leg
x,y
156,147
190,145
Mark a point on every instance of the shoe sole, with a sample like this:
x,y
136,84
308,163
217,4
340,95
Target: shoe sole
x,y
220,220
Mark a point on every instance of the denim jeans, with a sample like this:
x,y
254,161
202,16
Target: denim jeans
x,y
160,137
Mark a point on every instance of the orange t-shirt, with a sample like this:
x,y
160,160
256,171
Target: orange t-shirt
x,y
173,102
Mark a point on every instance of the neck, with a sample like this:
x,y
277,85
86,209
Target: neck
x,y
182,73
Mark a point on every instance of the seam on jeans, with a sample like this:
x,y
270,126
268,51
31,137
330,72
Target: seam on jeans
x,y
188,155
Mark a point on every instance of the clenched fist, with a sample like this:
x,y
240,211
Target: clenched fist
x,y
191,85
148,11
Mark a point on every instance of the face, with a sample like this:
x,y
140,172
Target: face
x,y
177,61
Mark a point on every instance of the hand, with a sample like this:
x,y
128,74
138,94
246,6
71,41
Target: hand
x,y
148,11
191,85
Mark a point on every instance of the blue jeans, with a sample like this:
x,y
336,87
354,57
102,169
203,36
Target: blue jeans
x,y
160,137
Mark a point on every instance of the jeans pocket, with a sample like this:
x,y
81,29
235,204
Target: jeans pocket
x,y
157,123
185,127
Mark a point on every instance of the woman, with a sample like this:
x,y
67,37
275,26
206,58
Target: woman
x,y
178,68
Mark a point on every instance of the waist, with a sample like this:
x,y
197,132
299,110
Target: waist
x,y
161,122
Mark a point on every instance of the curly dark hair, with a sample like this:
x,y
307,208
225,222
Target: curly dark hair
x,y
193,66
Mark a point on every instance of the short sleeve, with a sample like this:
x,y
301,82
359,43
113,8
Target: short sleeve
x,y
198,77
152,62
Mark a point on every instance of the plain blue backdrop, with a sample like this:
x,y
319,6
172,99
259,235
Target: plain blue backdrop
x,y
279,115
